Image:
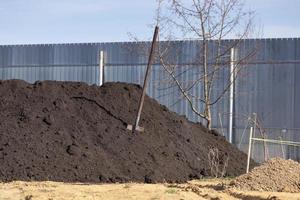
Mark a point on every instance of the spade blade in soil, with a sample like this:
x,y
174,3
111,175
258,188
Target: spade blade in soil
x,y
138,128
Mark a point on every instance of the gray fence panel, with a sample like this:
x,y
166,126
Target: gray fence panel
x,y
268,85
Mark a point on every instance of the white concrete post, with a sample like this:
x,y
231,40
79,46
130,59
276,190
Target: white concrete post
x,y
101,68
249,149
231,92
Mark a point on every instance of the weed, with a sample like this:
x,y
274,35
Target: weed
x,y
218,165
127,186
171,191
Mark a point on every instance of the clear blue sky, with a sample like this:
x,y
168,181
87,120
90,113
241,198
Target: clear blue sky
x,y
70,21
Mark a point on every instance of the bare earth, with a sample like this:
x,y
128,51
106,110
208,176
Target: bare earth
x,y
276,175
73,132
204,189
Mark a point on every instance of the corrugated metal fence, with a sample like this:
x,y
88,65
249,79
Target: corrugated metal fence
x,y
268,85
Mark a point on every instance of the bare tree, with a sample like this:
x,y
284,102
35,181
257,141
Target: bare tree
x,y
209,22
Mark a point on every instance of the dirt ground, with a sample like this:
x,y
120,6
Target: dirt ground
x,y
276,175
212,189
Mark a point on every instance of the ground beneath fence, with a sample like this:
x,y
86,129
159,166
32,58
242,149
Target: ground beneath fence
x,y
73,132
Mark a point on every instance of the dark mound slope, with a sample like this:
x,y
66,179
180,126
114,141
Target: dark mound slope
x,y
63,131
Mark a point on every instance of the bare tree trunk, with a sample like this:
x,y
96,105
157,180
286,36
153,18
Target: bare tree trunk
x,y
208,117
207,112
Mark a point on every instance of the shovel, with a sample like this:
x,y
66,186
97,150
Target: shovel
x,y
136,126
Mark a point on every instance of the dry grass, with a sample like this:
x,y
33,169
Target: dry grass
x,y
205,189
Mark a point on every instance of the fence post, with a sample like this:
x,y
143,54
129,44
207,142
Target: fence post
x,y
249,149
231,92
281,145
101,68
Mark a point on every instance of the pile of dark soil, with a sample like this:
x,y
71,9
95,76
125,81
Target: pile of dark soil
x,y
66,131
277,175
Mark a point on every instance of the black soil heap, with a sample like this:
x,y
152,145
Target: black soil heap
x,y
72,132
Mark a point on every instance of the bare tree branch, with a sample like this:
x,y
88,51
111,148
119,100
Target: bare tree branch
x,y
209,21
